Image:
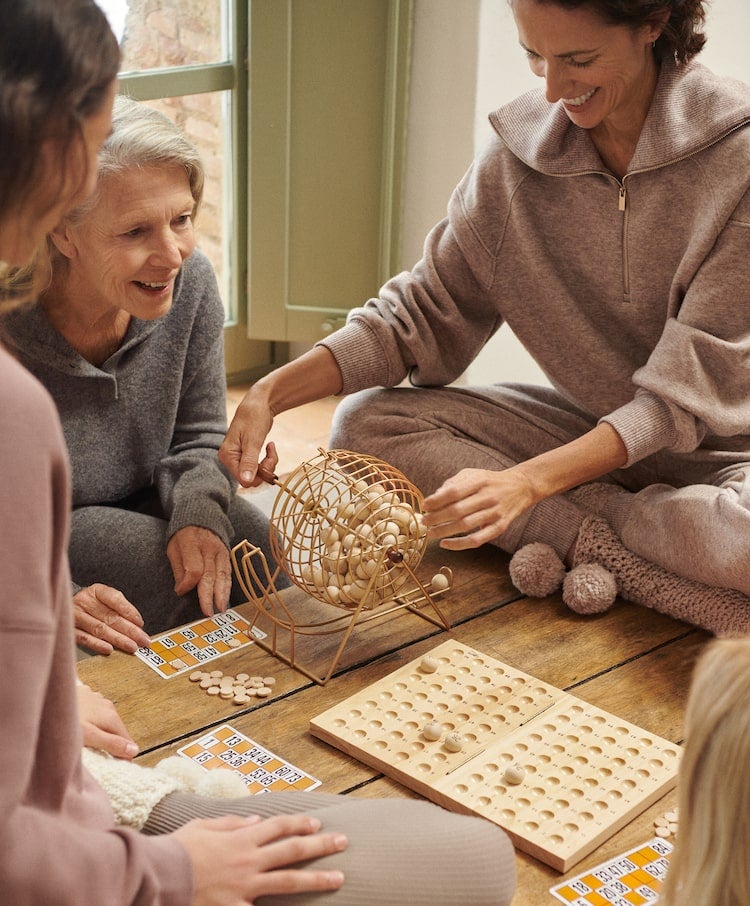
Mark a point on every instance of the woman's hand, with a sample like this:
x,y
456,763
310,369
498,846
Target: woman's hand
x,y
105,620
476,505
312,376
200,560
236,860
102,725
241,447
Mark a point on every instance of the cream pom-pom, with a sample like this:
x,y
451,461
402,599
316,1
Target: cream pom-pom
x,y
222,783
589,588
186,772
536,570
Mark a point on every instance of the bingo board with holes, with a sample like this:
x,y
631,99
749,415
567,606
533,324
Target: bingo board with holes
x,y
586,773
633,879
187,647
261,770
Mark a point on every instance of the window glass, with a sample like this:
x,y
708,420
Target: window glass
x,y
158,34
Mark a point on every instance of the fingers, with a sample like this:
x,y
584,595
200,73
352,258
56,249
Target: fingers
x,y
102,726
200,560
476,506
253,858
267,468
239,453
113,743
242,466
105,620
92,643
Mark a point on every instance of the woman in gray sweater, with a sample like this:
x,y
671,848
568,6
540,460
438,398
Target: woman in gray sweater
x,y
128,339
606,223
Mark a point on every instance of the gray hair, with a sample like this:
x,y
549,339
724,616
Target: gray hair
x,y
143,137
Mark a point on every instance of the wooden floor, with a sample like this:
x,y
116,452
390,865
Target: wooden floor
x,y
630,661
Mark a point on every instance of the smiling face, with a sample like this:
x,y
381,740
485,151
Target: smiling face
x,y
126,252
603,74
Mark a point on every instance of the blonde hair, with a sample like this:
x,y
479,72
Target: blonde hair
x,y
710,863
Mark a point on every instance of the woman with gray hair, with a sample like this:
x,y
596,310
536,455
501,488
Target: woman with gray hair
x,y
128,339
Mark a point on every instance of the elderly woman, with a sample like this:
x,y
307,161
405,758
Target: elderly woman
x,y
128,340
607,224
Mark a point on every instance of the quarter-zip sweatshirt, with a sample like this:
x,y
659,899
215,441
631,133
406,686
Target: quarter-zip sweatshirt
x,y
632,295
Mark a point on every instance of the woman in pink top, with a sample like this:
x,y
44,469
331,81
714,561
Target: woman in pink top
x,y
59,841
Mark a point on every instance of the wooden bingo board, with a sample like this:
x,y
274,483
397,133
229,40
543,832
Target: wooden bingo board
x,y
633,879
187,647
261,770
586,773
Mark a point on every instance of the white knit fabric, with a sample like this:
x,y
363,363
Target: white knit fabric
x,y
135,789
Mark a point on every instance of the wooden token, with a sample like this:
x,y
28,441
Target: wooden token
x,y
217,674
241,699
241,677
213,690
262,691
453,742
514,774
233,642
432,731
428,664
268,681
226,693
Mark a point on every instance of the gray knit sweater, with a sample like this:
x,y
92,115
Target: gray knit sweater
x,y
633,296
154,414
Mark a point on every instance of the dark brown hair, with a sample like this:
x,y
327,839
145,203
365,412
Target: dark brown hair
x,y
57,61
683,36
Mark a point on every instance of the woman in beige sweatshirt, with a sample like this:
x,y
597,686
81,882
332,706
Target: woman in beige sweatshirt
x,y
606,223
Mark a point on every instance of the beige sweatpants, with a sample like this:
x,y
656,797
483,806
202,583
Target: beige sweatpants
x,y
402,852
688,513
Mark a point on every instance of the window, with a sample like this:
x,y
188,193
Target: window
x,y
298,108
185,58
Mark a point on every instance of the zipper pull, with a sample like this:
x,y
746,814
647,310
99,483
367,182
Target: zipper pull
x,y
621,200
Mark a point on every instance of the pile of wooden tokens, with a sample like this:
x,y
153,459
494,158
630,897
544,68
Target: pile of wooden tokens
x,y
666,826
240,689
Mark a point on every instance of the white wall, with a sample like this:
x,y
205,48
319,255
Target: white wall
x,y
466,61
442,109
